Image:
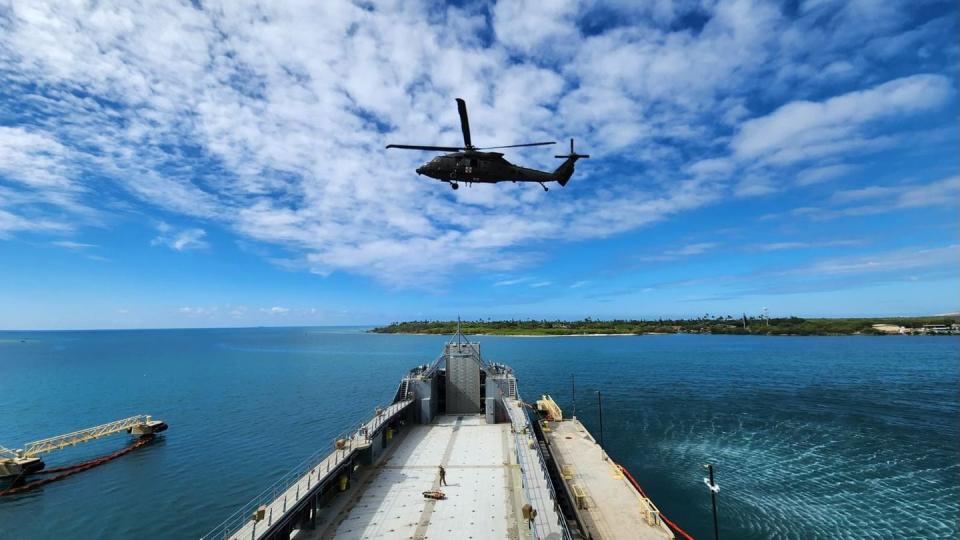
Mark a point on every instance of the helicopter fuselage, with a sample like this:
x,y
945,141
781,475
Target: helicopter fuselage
x,y
469,164
480,167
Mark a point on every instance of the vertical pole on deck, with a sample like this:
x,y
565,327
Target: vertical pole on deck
x,y
714,488
573,387
600,412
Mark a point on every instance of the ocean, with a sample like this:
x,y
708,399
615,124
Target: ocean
x,y
811,437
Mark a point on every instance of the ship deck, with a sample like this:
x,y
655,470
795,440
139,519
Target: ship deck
x,y
485,491
609,505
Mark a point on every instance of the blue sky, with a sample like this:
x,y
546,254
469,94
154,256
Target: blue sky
x,y
201,164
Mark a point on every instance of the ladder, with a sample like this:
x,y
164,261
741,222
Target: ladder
x,y
512,387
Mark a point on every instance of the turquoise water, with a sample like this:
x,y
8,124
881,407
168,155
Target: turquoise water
x,y
849,437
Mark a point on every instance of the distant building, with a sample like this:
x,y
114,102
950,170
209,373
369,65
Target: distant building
x,y
936,329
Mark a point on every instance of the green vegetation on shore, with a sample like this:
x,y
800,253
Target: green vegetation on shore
x,y
702,325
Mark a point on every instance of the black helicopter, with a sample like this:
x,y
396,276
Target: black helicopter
x,y
468,164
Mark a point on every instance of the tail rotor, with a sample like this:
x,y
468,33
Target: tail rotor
x,y
573,154
565,170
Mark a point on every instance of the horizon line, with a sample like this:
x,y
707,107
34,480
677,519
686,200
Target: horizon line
x,y
249,327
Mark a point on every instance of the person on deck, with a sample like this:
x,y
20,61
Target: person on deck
x,y
529,514
443,476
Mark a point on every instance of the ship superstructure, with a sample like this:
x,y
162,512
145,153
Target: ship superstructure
x,y
502,477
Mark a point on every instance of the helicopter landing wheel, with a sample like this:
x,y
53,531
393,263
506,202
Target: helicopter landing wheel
x,y
454,185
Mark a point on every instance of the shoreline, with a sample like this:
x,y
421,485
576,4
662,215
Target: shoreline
x,y
858,334
525,335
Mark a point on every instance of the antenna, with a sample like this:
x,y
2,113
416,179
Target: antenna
x,y
460,338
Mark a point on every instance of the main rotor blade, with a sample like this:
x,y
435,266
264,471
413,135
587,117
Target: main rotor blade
x,y
464,121
417,147
517,145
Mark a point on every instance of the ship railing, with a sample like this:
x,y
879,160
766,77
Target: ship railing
x,y
320,463
545,472
553,495
315,468
533,523
368,429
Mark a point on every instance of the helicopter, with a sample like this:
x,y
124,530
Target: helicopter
x,y
468,164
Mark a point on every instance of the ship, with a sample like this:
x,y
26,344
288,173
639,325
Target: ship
x,y
456,454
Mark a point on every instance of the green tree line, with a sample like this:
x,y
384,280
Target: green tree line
x,y
706,324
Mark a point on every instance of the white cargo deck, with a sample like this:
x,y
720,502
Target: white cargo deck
x,y
485,491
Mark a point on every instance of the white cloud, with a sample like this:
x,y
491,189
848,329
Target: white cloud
x,y
877,199
888,261
529,25
789,246
815,175
180,239
34,159
11,223
862,194
512,281
694,249
685,251
70,244
270,120
804,129
199,311
275,310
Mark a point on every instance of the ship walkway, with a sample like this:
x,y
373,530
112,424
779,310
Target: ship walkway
x,y
23,461
608,506
51,444
283,506
538,489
